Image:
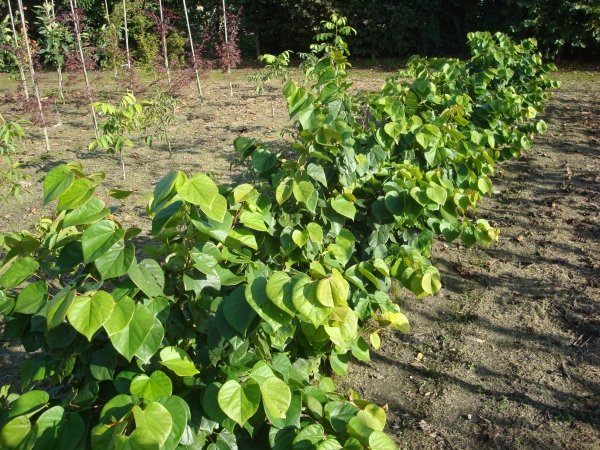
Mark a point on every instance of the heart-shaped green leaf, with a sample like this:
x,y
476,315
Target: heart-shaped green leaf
x,y
77,195
203,191
88,313
279,291
99,238
344,207
151,387
304,297
56,182
130,339
276,396
239,401
59,306
32,298
178,361
20,271
116,261
120,317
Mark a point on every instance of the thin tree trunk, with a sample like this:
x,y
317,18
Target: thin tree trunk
x,y
21,70
164,127
257,39
32,74
122,163
227,43
164,42
58,66
116,70
127,46
57,113
85,76
61,92
187,20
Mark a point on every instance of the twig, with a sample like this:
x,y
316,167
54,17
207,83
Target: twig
x,y
588,340
564,368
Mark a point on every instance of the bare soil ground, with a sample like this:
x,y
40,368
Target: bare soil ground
x,y
506,355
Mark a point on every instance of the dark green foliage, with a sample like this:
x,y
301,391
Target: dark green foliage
x,y
561,27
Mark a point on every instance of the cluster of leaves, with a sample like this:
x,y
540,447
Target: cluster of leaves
x,y
276,68
148,42
8,60
561,26
166,29
252,292
132,116
10,174
56,38
227,50
72,60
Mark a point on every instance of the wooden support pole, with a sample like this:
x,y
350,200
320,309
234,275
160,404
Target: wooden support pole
x,y
127,46
82,59
32,74
50,14
21,70
227,43
164,42
187,20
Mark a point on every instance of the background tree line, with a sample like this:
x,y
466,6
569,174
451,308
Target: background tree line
x,y
385,28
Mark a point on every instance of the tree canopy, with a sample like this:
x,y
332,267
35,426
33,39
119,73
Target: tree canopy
x,y
393,28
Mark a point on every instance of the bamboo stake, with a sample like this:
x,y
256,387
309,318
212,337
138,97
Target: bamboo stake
x,y
127,46
51,15
227,42
115,69
60,82
32,74
193,54
21,70
164,42
57,113
85,76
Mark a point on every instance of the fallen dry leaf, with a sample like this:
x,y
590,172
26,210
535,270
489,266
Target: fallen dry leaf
x,y
465,270
474,339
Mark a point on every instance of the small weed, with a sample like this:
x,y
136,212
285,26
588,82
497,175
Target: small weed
x,y
563,417
502,405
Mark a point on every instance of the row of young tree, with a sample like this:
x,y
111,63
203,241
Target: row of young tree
x,y
254,293
386,27
67,43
